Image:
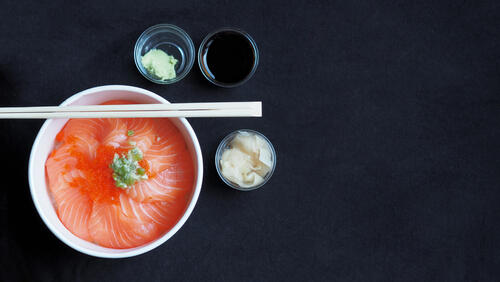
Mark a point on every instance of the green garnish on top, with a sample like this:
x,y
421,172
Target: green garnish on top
x,y
130,133
126,169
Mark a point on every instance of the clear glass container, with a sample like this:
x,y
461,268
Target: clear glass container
x,y
173,41
225,144
203,65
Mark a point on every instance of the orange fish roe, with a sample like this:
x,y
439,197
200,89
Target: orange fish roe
x,y
144,164
98,182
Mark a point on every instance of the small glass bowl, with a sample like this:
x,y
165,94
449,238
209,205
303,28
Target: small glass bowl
x,y
172,40
224,144
202,63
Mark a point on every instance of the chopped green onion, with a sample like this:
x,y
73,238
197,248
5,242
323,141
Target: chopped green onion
x,y
130,133
135,154
126,169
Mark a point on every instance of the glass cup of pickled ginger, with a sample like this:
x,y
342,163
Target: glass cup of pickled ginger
x,y
245,159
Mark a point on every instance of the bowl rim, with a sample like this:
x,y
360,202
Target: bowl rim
x,y
199,56
189,63
136,250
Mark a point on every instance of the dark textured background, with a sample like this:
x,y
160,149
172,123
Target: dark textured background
x,y
385,117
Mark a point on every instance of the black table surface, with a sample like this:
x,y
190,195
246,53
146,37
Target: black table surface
x,y
385,116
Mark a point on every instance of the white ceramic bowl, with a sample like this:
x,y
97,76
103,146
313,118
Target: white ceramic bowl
x,y
44,143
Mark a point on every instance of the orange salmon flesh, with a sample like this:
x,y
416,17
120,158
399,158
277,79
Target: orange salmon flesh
x,y
83,190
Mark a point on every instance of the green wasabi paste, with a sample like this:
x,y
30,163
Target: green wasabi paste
x,y
159,64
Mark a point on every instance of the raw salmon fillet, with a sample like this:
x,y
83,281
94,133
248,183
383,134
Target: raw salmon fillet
x,y
83,191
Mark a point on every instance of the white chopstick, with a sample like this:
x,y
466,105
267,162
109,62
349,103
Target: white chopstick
x,y
135,107
222,109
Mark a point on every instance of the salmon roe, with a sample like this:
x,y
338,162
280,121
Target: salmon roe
x,y
98,181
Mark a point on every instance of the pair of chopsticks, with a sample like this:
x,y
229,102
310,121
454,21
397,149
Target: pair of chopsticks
x,y
219,109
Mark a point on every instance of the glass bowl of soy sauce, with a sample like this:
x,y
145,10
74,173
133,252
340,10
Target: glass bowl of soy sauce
x,y
228,57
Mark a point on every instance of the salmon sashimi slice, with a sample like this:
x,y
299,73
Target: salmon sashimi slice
x,y
164,153
85,128
109,227
142,132
170,185
117,133
73,208
84,134
86,146
60,162
160,212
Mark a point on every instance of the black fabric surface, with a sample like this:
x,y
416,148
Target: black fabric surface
x,y
385,116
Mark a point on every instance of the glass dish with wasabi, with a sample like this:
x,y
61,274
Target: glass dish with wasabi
x,y
164,54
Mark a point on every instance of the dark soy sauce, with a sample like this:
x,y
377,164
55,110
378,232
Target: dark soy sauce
x,y
228,57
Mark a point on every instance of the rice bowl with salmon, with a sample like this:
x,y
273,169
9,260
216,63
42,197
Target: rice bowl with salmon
x,y
123,186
